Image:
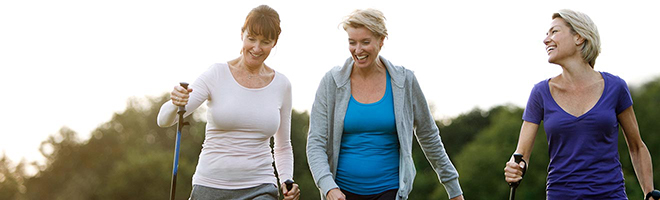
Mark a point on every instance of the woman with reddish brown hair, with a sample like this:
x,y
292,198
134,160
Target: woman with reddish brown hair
x,y
248,103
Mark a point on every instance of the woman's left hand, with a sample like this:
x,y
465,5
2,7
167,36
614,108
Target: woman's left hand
x,y
294,194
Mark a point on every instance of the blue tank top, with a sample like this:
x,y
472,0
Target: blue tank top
x,y
369,155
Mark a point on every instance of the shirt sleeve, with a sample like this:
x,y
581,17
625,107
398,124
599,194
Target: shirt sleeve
x,y
317,138
167,116
534,109
283,152
625,99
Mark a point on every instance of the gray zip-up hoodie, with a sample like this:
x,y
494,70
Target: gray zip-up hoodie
x,y
412,117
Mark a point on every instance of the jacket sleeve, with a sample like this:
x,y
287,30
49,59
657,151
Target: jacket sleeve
x,y
317,139
428,136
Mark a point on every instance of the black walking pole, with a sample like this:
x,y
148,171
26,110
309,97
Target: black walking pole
x,y
182,110
517,158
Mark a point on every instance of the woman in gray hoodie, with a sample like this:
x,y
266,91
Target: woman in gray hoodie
x,y
363,120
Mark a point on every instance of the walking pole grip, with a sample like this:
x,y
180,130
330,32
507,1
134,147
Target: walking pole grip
x,y
183,108
289,184
518,158
654,195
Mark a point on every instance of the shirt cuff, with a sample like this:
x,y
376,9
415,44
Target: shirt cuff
x,y
453,188
326,184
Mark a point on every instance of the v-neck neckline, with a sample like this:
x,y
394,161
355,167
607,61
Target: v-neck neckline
x,y
600,99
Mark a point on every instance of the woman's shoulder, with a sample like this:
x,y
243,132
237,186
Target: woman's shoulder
x,y
614,82
611,77
215,71
541,87
218,68
280,77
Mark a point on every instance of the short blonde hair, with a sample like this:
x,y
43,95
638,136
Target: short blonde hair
x,y
372,19
581,24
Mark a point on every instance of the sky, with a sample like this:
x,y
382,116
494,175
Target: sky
x,y
74,63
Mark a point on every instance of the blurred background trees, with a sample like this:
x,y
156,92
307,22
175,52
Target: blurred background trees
x,y
130,157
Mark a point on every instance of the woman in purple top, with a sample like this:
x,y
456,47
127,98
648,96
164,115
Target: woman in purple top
x,y
582,110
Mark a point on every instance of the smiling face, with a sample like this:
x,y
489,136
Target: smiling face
x,y
364,46
255,49
561,43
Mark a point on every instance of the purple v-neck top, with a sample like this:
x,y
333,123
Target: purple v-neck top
x,y
584,159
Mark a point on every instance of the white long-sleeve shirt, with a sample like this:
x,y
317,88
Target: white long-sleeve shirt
x,y
236,152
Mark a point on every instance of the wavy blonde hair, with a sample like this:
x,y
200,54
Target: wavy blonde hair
x,y
582,25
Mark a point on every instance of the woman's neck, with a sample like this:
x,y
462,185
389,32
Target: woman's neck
x,y
578,73
370,71
240,64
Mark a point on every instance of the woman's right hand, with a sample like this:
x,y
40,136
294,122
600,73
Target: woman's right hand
x,y
335,194
180,95
513,171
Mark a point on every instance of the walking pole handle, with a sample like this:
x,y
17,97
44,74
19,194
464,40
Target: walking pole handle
x,y
655,194
185,86
289,184
517,157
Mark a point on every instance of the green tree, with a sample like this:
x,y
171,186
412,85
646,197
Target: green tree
x,y
129,157
11,178
481,162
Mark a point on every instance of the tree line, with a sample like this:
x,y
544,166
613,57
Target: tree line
x,y
130,157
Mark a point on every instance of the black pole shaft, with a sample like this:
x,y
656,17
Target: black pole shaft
x,y
177,143
512,193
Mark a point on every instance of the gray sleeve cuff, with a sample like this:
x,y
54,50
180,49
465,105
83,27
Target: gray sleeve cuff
x,y
326,184
453,188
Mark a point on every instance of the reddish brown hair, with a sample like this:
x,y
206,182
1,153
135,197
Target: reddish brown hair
x,y
264,21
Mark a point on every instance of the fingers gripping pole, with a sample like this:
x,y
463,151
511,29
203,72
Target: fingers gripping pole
x,y
182,108
175,167
517,158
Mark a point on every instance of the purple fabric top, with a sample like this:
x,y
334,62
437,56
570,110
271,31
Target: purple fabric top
x,y
584,158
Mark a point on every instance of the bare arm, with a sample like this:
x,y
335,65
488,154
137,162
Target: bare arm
x,y
639,154
513,171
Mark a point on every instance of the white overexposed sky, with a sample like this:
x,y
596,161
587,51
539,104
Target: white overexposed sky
x,y
76,62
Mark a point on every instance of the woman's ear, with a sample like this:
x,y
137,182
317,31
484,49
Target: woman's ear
x,y
579,40
382,39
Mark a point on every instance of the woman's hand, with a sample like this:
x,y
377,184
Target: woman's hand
x,y
460,197
513,171
180,95
335,194
294,194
